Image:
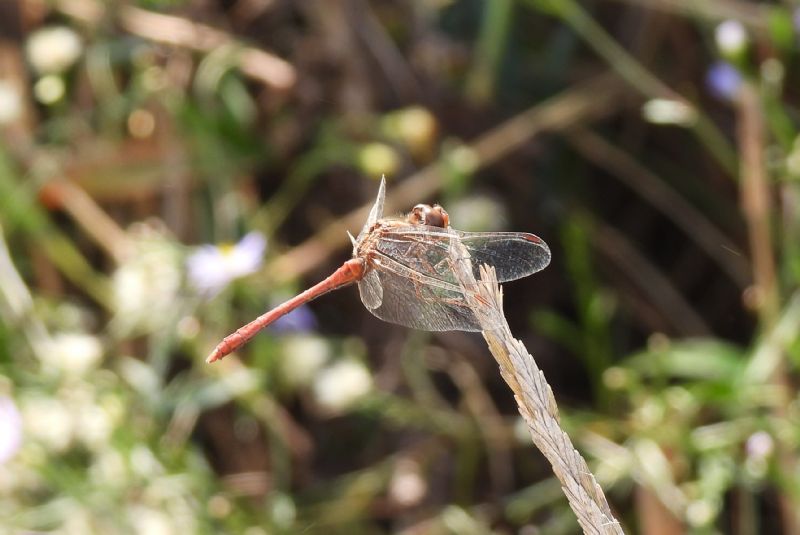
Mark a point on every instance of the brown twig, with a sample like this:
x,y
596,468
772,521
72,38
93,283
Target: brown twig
x,y
756,204
176,31
754,15
97,224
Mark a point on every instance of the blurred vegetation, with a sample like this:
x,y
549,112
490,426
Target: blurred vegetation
x,y
171,168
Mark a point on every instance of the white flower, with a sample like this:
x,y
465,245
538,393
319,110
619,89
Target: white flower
x,y
668,111
53,49
212,267
94,427
10,103
49,89
109,469
151,521
219,506
759,448
283,513
701,512
760,445
340,385
303,356
144,462
48,421
145,288
731,37
79,520
10,429
407,486
73,353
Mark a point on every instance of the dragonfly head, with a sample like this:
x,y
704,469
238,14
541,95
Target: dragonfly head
x,y
433,216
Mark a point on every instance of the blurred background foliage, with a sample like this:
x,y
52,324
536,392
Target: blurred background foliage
x,y
171,168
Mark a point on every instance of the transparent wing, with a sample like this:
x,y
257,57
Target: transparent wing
x,y
417,300
412,282
513,254
370,290
377,209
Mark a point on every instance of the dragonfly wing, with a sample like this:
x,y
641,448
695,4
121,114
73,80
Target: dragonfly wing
x,y
513,254
413,301
377,209
371,290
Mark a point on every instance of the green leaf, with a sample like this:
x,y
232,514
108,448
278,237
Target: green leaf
x,y
779,24
698,358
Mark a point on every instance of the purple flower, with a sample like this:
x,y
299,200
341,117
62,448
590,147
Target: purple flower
x,y
759,445
212,267
724,80
10,429
299,320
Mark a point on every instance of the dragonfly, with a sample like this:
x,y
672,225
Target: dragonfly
x,y
404,271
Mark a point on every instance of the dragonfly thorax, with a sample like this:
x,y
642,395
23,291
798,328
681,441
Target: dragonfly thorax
x,y
367,240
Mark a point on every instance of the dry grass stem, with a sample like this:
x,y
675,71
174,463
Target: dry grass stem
x,y
97,224
650,187
534,397
650,282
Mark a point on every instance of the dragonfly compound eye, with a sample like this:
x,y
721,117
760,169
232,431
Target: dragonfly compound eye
x,y
432,216
437,217
418,215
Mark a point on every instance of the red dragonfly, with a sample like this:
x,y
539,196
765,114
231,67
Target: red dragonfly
x,y
403,268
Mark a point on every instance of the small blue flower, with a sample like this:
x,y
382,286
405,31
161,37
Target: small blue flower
x,y
10,429
299,320
212,267
724,80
